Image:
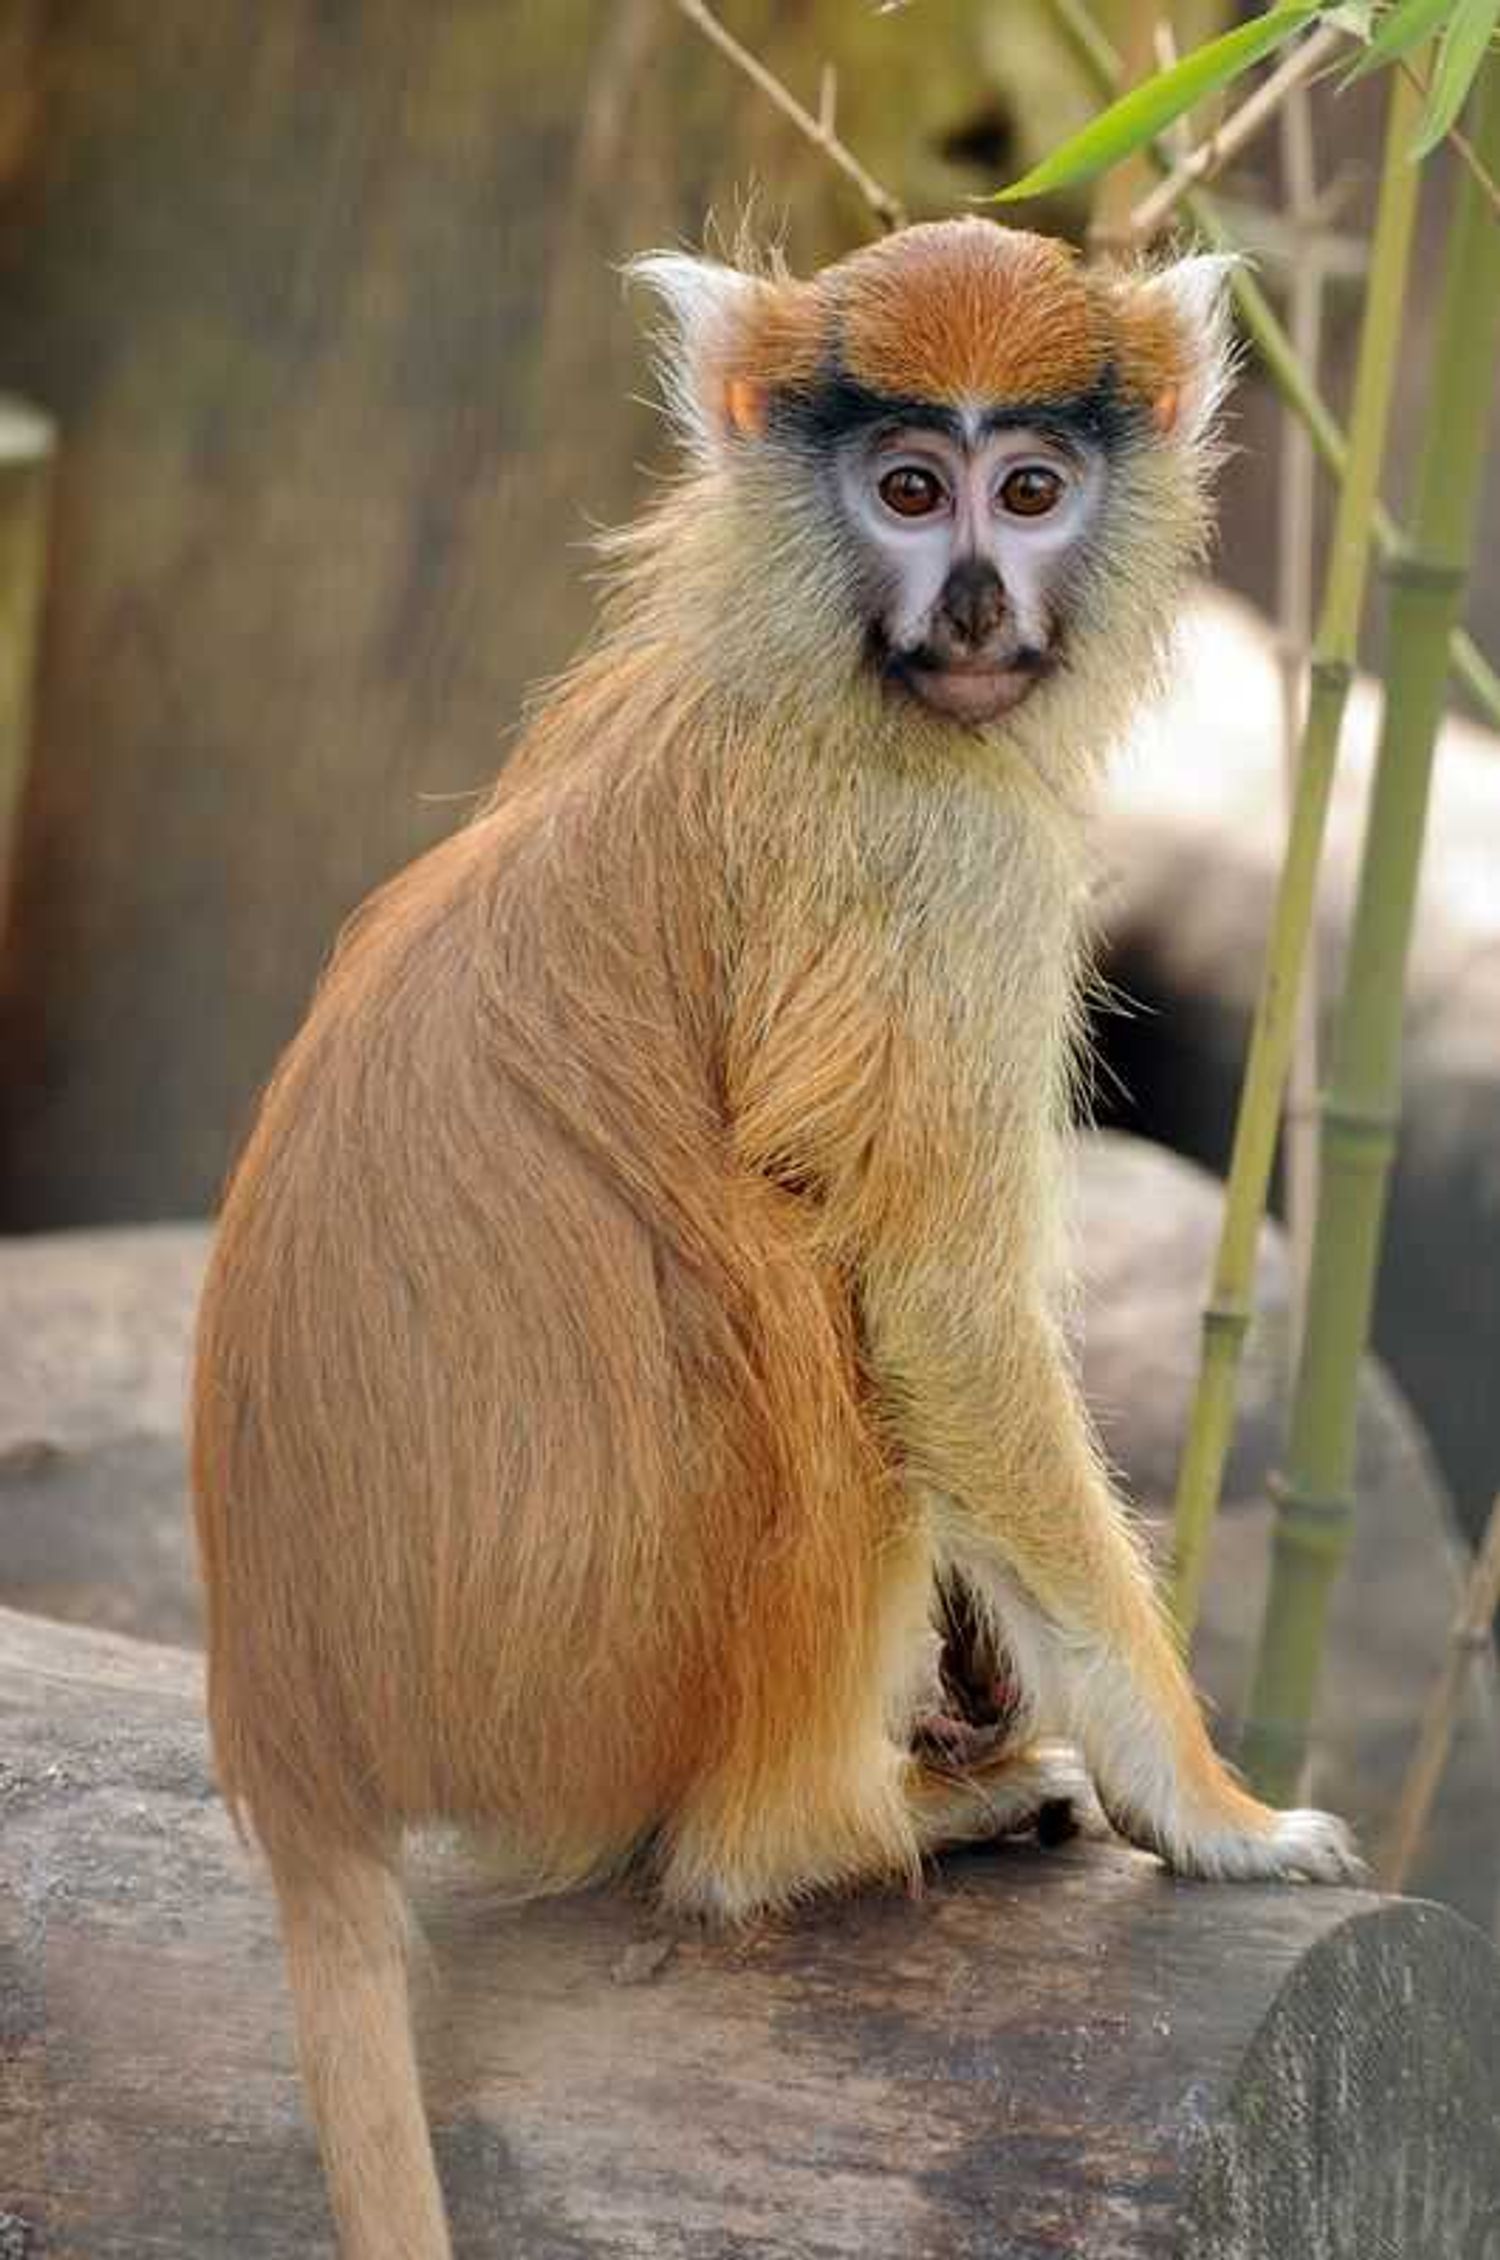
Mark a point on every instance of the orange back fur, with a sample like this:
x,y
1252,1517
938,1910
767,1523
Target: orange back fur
x,y
511,1375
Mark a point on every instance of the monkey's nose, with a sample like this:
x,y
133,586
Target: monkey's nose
x,y
973,601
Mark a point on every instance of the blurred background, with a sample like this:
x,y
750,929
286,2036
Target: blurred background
x,y
321,299
323,296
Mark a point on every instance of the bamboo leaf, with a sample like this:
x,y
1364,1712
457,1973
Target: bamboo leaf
x,y
1405,27
1465,42
1139,116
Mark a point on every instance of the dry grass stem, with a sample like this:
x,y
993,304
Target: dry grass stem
x,y
887,208
1471,1632
1295,512
1227,141
1119,188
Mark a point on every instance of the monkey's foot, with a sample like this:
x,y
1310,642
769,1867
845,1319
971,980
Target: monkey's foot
x,y
1298,1847
1041,1787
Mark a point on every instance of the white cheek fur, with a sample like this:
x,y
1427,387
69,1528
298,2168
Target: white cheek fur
x,y
920,573
916,558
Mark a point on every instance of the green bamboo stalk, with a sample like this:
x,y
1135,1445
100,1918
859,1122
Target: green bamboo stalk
x,y
1227,1317
1360,1111
1277,353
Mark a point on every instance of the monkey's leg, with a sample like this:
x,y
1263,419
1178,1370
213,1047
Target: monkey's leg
x,y
832,1659
819,1789
767,1828
871,1822
982,1398
344,1924
1042,1786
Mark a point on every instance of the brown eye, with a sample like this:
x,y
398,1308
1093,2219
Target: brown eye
x,y
911,492
1031,491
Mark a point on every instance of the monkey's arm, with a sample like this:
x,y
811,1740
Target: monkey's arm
x,y
933,1196
978,1387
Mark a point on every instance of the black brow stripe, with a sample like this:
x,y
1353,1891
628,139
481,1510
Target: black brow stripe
x,y
835,406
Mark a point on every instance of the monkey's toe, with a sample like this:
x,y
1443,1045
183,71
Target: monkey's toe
x,y
1298,1847
1317,1848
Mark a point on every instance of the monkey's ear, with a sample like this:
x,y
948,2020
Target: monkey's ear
x,y
1180,335
704,358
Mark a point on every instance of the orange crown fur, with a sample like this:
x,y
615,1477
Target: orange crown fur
x,y
955,311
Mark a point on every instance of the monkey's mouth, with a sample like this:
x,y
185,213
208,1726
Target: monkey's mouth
x,y
974,691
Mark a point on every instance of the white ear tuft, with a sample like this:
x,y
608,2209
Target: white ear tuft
x,y
1195,293
704,301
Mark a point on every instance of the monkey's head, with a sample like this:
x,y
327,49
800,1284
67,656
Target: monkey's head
x,y
959,460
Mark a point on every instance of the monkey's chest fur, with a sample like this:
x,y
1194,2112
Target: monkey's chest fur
x,y
911,969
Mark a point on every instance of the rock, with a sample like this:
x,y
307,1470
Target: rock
x,y
1044,2053
1191,848
94,1339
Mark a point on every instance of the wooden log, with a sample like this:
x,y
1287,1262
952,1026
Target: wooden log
x,y
26,444
1046,2053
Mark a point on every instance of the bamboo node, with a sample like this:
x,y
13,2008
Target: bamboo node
x,y
1366,1135
1226,1320
1410,569
1309,1522
1331,675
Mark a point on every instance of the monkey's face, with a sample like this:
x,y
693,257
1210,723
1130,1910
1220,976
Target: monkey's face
x,y
960,459
969,528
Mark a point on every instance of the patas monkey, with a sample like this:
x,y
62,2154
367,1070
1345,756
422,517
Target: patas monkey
x,y
641,1285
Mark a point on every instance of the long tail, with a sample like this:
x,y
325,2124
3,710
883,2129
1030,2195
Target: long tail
x,y
345,1931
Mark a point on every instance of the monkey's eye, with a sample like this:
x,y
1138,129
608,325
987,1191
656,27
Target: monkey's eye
x,y
1031,490
912,492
